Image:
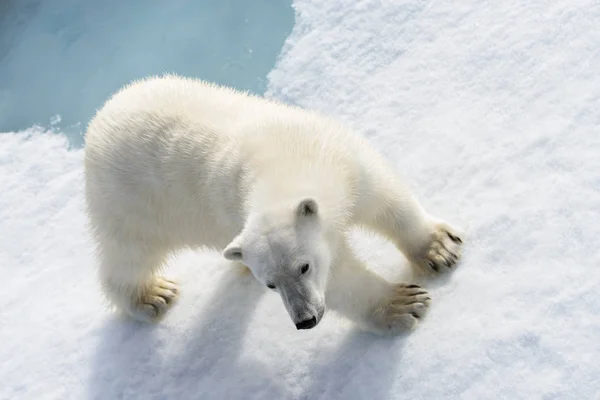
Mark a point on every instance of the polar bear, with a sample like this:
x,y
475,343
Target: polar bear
x,y
174,162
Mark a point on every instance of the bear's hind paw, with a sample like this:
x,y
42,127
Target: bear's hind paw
x,y
155,300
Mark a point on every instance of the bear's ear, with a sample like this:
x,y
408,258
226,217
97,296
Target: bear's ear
x,y
233,252
307,207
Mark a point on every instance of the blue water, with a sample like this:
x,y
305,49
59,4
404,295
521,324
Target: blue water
x,y
66,57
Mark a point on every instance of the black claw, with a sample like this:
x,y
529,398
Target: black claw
x,y
417,294
454,238
166,299
413,287
433,266
415,315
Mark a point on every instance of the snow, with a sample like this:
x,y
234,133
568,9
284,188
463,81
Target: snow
x,y
490,110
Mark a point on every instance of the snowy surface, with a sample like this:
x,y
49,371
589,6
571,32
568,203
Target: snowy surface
x,y
491,110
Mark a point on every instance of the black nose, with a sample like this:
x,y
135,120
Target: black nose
x,y
307,324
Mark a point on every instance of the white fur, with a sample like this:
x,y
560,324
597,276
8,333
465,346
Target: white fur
x,y
173,162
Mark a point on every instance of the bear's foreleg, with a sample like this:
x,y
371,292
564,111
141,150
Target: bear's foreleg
x,y
431,245
372,302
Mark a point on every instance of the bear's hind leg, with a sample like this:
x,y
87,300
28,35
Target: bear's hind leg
x,y
129,280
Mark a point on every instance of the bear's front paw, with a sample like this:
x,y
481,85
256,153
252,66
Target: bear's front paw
x,y
442,252
155,300
400,310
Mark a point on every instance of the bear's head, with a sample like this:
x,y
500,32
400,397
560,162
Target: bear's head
x,y
288,250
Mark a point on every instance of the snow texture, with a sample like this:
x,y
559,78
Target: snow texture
x,y
491,110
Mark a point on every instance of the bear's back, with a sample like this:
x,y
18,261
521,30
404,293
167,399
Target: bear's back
x,y
176,150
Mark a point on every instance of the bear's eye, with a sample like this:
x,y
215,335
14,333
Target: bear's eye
x,y
304,268
270,286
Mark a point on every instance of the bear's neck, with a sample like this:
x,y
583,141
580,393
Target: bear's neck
x,y
279,188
